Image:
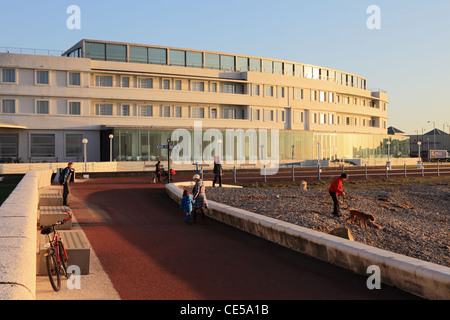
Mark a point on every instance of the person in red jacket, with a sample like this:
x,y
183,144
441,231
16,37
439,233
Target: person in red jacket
x,y
335,190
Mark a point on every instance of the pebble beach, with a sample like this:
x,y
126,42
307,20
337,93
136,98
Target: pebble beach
x,y
410,219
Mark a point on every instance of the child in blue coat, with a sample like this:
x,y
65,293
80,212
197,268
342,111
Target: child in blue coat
x,y
186,206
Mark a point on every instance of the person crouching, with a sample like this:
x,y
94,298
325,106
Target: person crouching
x,y
186,206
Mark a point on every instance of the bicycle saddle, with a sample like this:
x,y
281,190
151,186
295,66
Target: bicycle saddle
x,y
46,230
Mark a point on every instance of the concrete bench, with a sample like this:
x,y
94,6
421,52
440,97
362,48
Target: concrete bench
x,y
50,215
50,196
77,247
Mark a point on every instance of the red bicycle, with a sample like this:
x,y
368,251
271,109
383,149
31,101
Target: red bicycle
x,y
56,255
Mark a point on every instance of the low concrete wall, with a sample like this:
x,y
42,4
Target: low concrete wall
x,y
18,217
427,280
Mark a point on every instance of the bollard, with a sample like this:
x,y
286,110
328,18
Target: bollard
x,y
404,169
387,172
201,173
265,178
293,177
343,168
423,173
234,174
365,171
438,168
318,171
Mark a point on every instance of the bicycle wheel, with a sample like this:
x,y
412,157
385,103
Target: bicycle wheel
x,y
64,262
53,269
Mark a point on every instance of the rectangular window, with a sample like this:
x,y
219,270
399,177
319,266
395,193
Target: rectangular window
x,y
241,64
298,116
9,145
315,73
323,95
256,90
288,69
255,65
116,52
323,119
213,87
146,111
177,58
74,79
298,71
198,112
75,108
331,97
125,110
146,83
198,86
166,84
95,51
256,115
331,119
298,94
281,92
308,73
314,118
177,84
125,82
214,113
277,67
177,112
104,81
9,106
42,107
104,109
9,75
313,95
194,59
227,63
42,145
157,56
166,111
42,77
267,66
269,91
212,61
138,55
229,88
74,145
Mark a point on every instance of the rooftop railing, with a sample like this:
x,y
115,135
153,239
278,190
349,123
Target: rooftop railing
x,y
42,52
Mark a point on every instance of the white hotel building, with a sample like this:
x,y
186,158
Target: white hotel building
x,y
141,93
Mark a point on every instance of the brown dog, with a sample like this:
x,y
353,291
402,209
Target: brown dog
x,y
360,216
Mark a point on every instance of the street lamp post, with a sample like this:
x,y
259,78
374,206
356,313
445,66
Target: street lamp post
x,y
111,137
388,163
85,142
419,163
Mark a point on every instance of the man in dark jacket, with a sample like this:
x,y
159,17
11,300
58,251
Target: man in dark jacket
x,y
335,190
217,173
65,179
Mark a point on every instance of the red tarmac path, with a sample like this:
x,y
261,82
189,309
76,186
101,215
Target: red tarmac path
x,y
149,252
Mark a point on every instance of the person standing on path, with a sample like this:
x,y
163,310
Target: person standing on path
x,y
186,206
199,195
66,176
218,171
158,171
335,190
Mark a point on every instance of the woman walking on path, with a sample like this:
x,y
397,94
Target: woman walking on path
x,y
335,190
199,195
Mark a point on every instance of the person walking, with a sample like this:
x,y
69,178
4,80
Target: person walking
x,y
335,190
218,171
157,172
64,179
186,206
199,195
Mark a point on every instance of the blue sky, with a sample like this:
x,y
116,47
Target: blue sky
x,y
408,57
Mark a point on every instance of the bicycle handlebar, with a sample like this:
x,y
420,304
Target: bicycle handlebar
x,y
58,222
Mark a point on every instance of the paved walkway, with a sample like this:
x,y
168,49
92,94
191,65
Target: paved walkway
x,y
148,252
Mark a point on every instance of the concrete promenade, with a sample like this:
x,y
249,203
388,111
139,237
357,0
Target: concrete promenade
x,y
148,253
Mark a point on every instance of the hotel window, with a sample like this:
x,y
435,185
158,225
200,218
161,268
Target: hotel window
x,y
125,110
323,95
315,73
256,90
277,67
331,97
346,100
178,112
298,70
363,102
227,63
74,145
157,56
213,87
103,81
194,59
42,145
267,66
166,111
229,88
212,61
298,93
313,95
308,72
95,51
9,75
42,77
166,84
233,114
255,65
323,118
331,75
74,108
314,119
269,115
138,55
177,58
42,107
348,121
241,64
281,92
198,112
298,116
8,106
125,82
75,79
331,118
9,145
198,86
269,91
116,52
145,83
282,116
177,84
103,109
214,113
288,69
146,111
256,115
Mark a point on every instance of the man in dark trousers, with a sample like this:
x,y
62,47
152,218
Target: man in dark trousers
x,y
66,176
335,190
217,173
